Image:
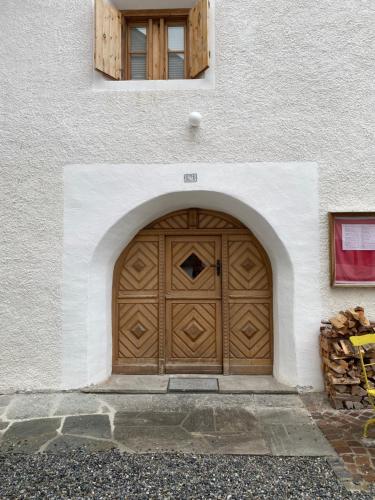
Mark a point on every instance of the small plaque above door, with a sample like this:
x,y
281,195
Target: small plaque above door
x,y
190,178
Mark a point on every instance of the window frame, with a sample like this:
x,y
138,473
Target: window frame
x,y
147,18
175,23
129,53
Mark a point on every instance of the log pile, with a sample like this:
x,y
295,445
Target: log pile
x,y
344,381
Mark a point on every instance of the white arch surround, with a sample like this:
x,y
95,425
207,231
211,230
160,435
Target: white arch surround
x,y
106,205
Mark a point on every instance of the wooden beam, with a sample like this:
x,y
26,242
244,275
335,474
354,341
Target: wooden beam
x,y
156,13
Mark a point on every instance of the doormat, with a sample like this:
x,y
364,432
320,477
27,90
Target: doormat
x,y
193,385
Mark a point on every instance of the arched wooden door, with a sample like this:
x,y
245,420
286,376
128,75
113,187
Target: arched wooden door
x,y
192,293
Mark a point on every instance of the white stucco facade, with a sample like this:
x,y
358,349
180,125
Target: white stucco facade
x,y
287,136
100,221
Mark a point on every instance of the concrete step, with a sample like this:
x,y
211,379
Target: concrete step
x,y
161,384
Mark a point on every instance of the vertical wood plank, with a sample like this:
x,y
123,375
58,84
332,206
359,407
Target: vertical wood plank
x,y
199,54
187,50
150,59
332,248
193,218
118,45
111,43
163,49
106,41
156,51
225,304
162,305
98,52
124,48
115,328
108,27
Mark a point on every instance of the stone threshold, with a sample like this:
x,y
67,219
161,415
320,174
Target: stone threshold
x,y
162,384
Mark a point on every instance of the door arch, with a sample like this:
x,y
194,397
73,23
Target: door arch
x,y
192,293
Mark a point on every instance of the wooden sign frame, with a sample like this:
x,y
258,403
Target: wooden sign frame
x,y
334,253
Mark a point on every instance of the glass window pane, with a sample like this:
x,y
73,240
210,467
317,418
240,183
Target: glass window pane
x,y
176,38
138,67
138,39
193,266
176,66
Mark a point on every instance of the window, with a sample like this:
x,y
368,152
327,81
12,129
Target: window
x,y
176,44
155,47
137,52
151,45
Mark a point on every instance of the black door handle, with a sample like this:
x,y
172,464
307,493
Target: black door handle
x,y
218,267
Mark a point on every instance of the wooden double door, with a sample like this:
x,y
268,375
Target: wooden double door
x,y
192,293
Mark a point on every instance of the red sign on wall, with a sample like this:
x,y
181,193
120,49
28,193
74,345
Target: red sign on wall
x,y
353,249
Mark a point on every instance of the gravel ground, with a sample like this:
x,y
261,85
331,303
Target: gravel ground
x,y
168,476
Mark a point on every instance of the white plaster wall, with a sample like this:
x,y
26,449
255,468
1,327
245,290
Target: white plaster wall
x,y
293,81
105,206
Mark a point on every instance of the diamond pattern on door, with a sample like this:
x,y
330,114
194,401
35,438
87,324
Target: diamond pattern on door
x,y
192,293
211,220
193,332
204,251
247,270
196,218
140,267
138,330
250,306
250,331
178,220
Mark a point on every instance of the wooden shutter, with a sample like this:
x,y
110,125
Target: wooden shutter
x,y
198,38
108,21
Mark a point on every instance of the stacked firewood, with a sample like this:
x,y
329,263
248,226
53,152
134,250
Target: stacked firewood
x,y
344,381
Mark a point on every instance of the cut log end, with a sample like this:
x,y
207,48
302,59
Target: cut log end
x,y
344,380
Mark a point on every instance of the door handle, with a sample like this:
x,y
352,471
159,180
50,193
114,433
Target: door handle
x,y
218,267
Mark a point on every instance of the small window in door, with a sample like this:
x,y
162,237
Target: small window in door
x,y
166,44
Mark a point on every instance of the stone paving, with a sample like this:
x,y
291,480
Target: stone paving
x,y
344,429
250,424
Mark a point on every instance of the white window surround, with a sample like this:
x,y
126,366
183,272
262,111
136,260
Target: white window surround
x,y
206,82
106,205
